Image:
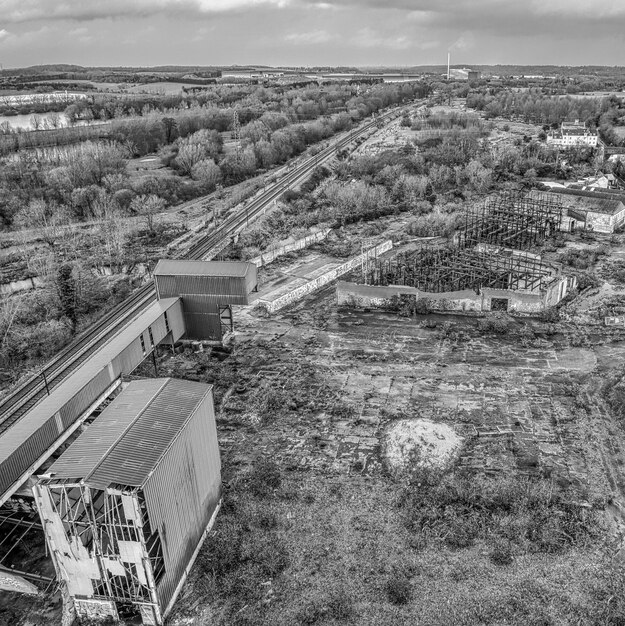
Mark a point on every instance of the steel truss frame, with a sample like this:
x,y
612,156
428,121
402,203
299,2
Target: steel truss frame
x,y
449,268
512,220
97,519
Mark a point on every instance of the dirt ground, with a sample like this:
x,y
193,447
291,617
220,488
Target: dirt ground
x,y
315,390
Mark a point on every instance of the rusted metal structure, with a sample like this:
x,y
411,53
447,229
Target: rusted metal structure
x,y
126,508
513,220
208,289
449,268
28,441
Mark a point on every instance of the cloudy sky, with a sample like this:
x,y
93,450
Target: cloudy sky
x,y
311,32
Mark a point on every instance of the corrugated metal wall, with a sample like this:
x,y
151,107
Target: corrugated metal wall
x,y
183,492
127,360
27,453
201,298
226,289
203,325
85,397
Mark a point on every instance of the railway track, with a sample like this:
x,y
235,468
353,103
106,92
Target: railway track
x,y
29,393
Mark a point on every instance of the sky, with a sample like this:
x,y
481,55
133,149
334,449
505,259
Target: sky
x,y
311,32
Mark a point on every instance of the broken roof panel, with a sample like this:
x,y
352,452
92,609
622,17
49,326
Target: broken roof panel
x,y
595,201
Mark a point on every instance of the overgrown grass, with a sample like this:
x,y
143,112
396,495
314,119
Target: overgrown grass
x,y
524,515
246,553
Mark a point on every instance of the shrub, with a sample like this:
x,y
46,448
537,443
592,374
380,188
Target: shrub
x,y
398,590
497,325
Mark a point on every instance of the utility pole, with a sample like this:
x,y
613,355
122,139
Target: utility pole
x,y
236,134
45,381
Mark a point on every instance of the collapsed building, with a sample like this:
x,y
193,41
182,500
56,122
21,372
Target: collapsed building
x,y
599,211
485,269
127,506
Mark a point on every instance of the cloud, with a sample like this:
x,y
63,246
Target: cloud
x,y
15,11
313,37
4,33
368,38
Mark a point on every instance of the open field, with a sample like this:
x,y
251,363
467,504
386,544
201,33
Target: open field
x,y
317,525
525,404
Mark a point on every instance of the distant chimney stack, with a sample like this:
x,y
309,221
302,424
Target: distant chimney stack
x,y
448,65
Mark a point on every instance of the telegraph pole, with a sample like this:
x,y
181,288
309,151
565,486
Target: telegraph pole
x,y
236,134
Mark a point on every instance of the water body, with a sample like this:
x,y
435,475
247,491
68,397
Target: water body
x,y
25,122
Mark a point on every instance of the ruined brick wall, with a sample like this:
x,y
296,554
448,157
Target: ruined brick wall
x,y
352,294
520,302
465,300
600,222
93,609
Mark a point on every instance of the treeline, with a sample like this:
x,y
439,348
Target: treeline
x,y
533,107
428,178
448,121
90,180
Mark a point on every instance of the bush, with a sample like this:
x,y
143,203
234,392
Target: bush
x,y
497,325
398,590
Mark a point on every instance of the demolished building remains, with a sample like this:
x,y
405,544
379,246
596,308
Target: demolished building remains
x,y
126,507
485,269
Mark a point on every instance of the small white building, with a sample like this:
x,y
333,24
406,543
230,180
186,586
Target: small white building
x,y
602,212
573,135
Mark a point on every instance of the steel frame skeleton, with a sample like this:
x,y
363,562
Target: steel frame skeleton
x,y
441,269
98,520
512,220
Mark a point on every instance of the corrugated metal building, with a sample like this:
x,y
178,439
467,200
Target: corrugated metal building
x,y
208,289
125,509
31,439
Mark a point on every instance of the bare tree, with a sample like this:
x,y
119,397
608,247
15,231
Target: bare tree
x,y
148,206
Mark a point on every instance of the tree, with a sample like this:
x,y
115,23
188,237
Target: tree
x,y
66,287
188,156
148,206
207,172
47,217
171,128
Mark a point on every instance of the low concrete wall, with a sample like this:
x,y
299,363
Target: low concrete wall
x,y
324,279
271,255
519,301
374,296
20,285
600,222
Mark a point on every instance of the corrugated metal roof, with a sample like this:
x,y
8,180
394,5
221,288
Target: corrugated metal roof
x,y
83,456
126,442
590,201
66,390
170,267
